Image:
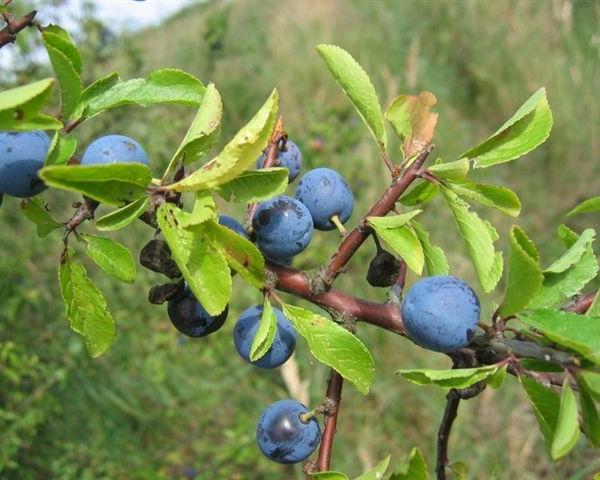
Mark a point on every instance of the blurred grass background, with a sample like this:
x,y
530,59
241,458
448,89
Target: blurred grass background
x,y
159,406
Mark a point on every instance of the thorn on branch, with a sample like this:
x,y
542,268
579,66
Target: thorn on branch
x,y
13,26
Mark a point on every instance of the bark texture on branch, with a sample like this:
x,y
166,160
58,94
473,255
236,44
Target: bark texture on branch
x,y
14,25
333,400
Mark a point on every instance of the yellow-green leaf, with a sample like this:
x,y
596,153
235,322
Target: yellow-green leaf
x,y
525,276
239,154
357,86
334,346
524,131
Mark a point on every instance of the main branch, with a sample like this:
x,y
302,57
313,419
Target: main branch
x,y
333,400
384,315
450,413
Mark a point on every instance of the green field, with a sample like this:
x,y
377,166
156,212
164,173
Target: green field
x,y
158,404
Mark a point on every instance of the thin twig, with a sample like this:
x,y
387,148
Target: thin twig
x,y
334,397
450,413
271,152
384,205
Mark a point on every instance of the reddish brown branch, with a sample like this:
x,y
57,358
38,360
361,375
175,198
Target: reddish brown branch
x,y
581,304
384,315
14,25
333,400
384,205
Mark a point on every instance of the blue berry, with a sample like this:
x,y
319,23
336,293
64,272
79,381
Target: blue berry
x,y
326,194
190,318
114,149
283,227
289,158
283,437
232,224
284,341
441,313
22,154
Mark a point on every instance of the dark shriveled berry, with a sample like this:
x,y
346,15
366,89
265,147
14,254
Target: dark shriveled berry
x,y
156,256
383,270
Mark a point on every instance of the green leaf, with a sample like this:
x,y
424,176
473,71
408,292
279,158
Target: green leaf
x,y
589,205
524,131
255,185
161,86
377,472
113,184
401,238
435,258
424,192
405,243
525,276
36,212
591,420
21,104
240,253
334,346
123,216
61,149
415,469
453,378
495,381
592,382
66,61
453,171
574,253
86,307
546,404
392,221
204,209
239,154
328,476
567,425
493,196
203,267
479,237
204,130
559,287
62,40
265,334
94,90
358,88
568,236
111,256
37,122
577,332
